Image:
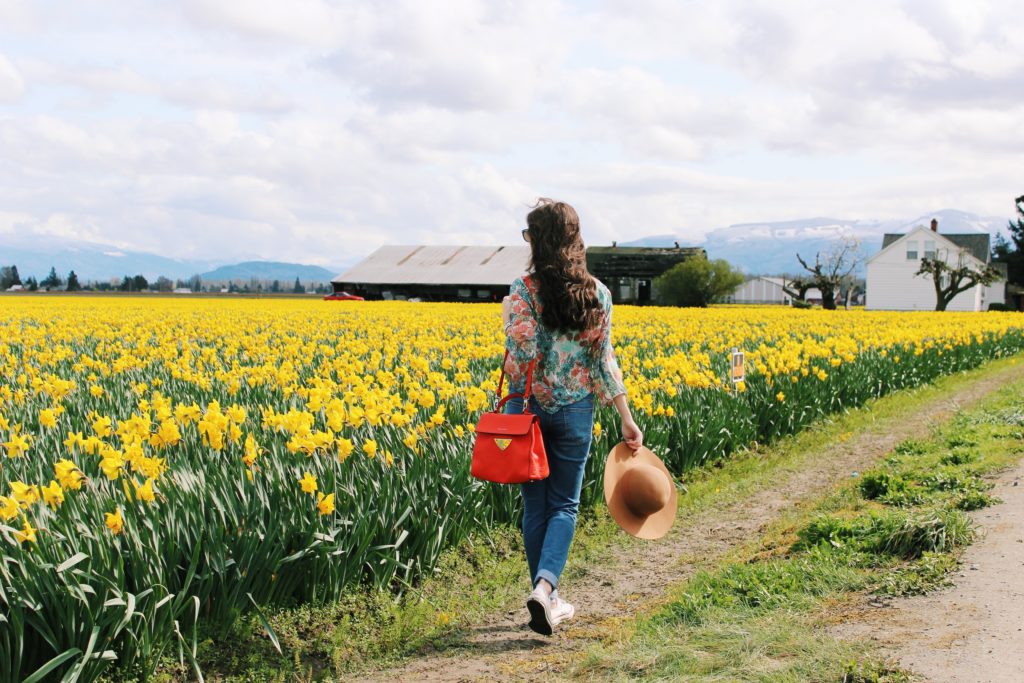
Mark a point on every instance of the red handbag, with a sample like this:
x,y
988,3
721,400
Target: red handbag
x,y
509,448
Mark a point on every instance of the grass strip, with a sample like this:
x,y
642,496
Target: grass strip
x,y
896,530
486,573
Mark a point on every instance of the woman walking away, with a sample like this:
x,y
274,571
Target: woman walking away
x,y
561,316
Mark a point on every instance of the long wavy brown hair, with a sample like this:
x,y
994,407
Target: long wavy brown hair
x,y
558,258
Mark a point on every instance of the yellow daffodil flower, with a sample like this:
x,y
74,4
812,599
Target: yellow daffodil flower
x,y
53,494
325,504
115,521
308,483
27,533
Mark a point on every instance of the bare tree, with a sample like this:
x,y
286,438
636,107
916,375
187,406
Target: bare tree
x,y
950,280
833,267
796,287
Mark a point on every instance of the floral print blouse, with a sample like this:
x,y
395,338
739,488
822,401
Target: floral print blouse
x,y
566,371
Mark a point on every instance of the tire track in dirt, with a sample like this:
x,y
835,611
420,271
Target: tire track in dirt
x,y
502,648
973,631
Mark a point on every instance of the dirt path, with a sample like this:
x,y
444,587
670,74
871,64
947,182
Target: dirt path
x,y
502,648
974,631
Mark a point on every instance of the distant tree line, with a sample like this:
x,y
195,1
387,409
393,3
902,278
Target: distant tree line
x,y
9,277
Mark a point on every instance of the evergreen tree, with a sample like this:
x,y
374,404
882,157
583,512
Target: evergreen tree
x,y
7,277
275,286
32,284
139,283
73,284
15,278
298,288
1011,252
52,281
126,284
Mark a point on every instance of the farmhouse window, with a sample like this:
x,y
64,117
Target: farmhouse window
x,y
929,249
911,251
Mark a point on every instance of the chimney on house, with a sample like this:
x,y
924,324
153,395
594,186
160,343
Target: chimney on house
x,y
935,225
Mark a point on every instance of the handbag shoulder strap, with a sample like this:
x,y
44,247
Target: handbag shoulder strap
x,y
529,377
526,390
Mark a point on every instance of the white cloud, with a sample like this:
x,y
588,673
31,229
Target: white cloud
x,y
318,130
470,55
194,92
16,14
12,86
308,22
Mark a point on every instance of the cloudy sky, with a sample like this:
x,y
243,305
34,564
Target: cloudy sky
x,y
314,130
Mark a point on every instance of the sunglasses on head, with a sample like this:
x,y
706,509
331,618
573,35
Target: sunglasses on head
x,y
526,234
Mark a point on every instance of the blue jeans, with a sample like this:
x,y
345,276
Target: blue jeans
x,y
550,505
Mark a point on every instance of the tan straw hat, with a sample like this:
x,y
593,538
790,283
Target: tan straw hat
x,y
639,491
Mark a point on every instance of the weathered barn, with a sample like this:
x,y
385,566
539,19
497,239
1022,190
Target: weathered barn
x,y
435,273
467,273
629,272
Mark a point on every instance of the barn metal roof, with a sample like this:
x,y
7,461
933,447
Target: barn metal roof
x,y
439,265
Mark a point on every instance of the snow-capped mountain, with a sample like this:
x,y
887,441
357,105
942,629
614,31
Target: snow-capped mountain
x,y
771,248
92,262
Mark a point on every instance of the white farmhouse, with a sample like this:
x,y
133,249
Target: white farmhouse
x,y
892,285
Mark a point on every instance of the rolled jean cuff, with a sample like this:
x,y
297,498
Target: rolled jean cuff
x,y
547,576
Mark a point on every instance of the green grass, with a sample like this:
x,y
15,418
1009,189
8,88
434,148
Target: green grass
x,y
483,575
374,628
760,615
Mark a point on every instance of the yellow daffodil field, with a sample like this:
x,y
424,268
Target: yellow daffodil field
x,y
171,463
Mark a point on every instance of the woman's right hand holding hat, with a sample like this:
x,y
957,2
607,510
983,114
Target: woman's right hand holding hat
x,y
631,434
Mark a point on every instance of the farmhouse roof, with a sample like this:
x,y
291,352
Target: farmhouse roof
x,y
976,244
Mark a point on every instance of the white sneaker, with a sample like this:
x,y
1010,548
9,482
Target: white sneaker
x,y
539,605
560,611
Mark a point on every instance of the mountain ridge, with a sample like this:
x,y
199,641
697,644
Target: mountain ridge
x,y
268,270
97,262
770,247
766,248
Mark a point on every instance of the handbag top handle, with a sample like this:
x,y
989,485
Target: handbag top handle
x,y
526,389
